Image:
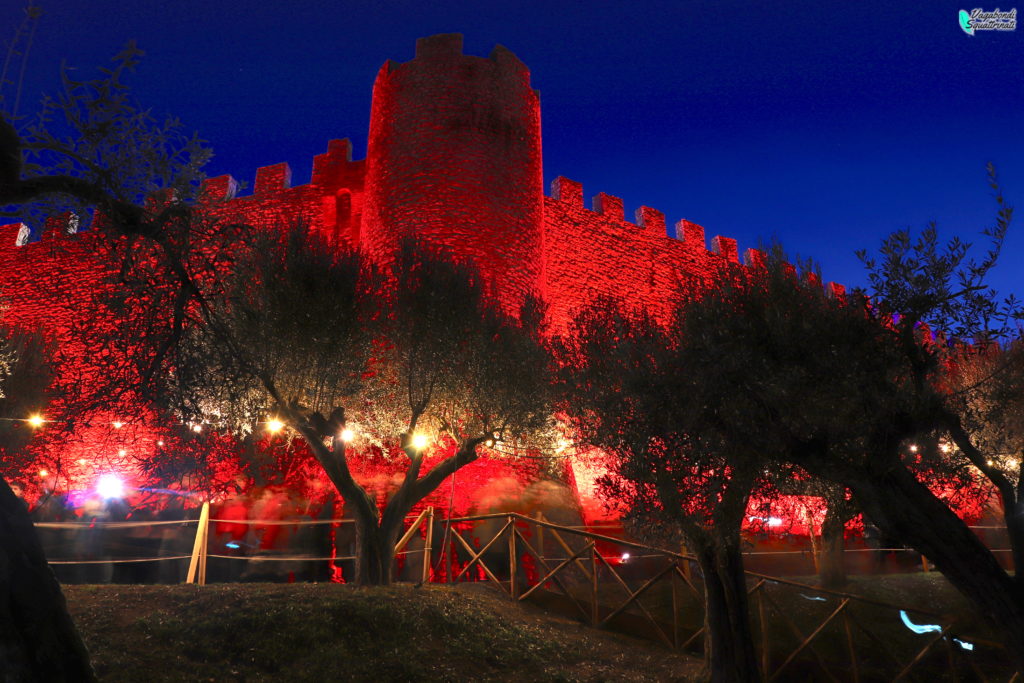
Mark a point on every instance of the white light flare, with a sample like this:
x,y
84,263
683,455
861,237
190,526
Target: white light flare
x,y
110,486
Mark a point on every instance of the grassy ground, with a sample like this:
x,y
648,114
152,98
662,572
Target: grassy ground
x,y
313,632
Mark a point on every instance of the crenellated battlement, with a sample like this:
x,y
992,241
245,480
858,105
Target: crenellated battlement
x,y
568,194
448,131
270,179
447,47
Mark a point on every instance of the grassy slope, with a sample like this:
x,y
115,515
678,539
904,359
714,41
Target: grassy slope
x,y
311,632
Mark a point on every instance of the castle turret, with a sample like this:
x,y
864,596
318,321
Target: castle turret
x,y
454,159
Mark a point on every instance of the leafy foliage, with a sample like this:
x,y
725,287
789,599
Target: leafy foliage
x,y
944,287
25,375
94,134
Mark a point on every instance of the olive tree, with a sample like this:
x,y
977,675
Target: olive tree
x,y
38,640
843,388
628,388
412,361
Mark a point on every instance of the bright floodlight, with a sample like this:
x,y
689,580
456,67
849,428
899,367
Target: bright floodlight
x,y
274,425
110,486
36,420
419,441
347,435
117,424
197,428
43,473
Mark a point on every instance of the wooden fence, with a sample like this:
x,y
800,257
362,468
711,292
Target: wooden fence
x,y
802,631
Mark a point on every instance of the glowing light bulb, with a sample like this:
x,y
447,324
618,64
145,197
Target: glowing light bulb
x,y
347,435
117,424
36,420
82,461
110,486
419,441
43,473
160,443
625,557
913,448
197,428
122,452
274,425
945,448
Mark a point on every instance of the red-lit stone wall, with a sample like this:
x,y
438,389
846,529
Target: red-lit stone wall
x,y
454,159
594,252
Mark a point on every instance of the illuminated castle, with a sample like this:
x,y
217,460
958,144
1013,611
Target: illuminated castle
x,y
454,158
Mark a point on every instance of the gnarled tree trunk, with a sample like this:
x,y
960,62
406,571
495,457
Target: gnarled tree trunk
x,y
904,508
38,640
375,550
832,569
728,643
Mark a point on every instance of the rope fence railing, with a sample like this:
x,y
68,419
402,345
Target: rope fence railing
x,y
807,553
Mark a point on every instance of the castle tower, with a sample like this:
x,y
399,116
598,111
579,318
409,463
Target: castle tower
x,y
454,159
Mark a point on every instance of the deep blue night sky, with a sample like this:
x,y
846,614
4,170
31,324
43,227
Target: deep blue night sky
x,y
826,124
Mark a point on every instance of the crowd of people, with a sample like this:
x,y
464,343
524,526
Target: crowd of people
x,y
265,533
254,533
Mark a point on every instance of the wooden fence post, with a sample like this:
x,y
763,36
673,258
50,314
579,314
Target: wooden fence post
x,y
594,612
672,580
512,559
197,565
428,549
766,652
449,541
540,534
